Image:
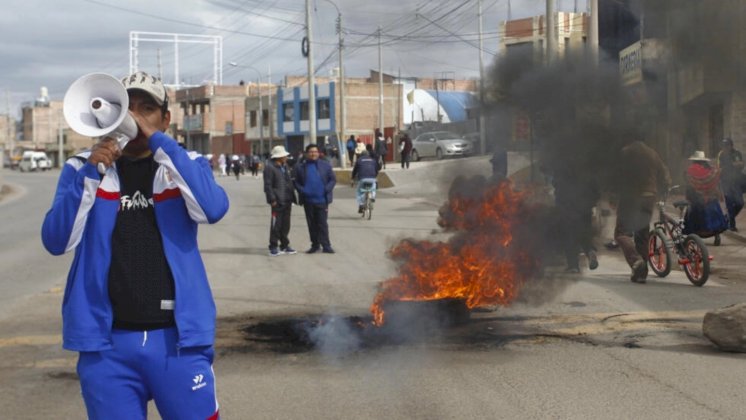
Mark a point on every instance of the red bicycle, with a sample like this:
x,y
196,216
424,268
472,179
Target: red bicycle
x,y
667,237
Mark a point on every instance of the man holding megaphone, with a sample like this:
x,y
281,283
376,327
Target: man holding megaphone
x,y
137,305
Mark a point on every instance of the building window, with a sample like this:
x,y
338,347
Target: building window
x,y
287,112
304,111
265,117
252,118
324,109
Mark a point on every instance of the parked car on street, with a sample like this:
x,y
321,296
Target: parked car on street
x,y
440,144
32,161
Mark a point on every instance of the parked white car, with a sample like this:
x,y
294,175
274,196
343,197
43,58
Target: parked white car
x,y
32,161
440,144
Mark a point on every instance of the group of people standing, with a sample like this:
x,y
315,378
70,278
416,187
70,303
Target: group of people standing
x,y
313,179
378,150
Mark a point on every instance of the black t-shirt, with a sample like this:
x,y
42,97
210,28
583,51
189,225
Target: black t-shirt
x,y
141,286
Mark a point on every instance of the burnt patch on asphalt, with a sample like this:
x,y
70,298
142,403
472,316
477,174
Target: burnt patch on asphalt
x,y
339,336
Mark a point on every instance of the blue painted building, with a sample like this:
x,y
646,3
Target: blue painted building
x,y
292,115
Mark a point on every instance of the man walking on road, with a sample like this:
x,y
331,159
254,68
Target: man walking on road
x,y
405,146
315,181
643,177
731,179
137,272
278,188
381,149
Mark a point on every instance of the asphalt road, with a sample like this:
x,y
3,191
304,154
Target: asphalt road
x,y
587,347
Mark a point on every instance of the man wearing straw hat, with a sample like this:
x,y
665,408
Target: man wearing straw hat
x,y
278,188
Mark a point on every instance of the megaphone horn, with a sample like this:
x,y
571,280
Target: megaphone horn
x,y
96,105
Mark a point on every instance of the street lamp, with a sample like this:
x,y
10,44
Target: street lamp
x,y
261,111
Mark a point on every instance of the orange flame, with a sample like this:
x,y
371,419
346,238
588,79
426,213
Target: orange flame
x,y
480,265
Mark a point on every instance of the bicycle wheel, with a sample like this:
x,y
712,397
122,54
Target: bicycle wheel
x,y
368,213
659,253
697,267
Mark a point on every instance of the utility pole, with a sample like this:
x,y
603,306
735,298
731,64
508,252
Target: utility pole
x,y
594,32
188,120
269,111
342,105
550,32
380,82
158,61
261,110
482,134
10,136
60,144
311,78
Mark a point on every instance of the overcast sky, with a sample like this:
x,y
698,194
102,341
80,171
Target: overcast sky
x,y
52,42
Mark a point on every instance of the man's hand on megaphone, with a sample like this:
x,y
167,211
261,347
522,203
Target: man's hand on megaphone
x,y
106,151
144,124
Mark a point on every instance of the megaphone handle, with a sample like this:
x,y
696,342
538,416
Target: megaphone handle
x,y
122,141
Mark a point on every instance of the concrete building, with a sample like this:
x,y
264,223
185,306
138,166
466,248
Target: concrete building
x,y
684,68
261,121
405,100
209,111
43,123
530,34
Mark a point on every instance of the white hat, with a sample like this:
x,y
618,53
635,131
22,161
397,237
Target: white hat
x,y
147,83
699,155
279,152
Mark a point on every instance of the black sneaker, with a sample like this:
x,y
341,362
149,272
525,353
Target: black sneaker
x,y
592,260
328,250
289,251
312,250
274,252
360,209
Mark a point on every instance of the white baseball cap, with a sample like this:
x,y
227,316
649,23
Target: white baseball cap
x,y
148,84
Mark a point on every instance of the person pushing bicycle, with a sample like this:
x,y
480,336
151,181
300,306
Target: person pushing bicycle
x,y
365,172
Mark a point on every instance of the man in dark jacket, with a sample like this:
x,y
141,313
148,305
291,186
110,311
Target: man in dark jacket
x,y
365,172
381,149
405,145
643,177
278,187
730,162
315,181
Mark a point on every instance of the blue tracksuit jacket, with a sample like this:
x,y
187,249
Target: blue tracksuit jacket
x,y
82,218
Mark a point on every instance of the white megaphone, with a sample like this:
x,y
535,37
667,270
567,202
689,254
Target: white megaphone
x,y
96,105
